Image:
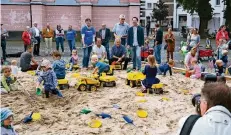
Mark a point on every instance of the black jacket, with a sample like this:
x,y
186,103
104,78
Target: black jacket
x,y
107,36
159,36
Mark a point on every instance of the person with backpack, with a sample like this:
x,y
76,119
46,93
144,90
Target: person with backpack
x,y
214,112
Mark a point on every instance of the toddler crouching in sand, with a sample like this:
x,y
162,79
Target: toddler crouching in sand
x,y
7,80
99,66
164,68
219,68
196,72
150,71
49,79
74,59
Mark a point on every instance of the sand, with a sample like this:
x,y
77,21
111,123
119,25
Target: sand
x,y
62,115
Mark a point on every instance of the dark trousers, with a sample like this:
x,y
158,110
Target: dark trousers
x,y
3,45
32,67
59,40
123,41
25,48
37,46
171,55
125,60
48,90
147,30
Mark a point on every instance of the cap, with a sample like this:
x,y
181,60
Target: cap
x,y
122,16
46,63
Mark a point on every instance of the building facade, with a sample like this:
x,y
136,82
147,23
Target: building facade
x,y
182,18
17,14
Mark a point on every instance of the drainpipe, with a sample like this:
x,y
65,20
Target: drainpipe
x,y
30,14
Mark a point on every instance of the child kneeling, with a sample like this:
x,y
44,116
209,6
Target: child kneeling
x,y
7,80
166,67
150,71
50,81
196,72
99,66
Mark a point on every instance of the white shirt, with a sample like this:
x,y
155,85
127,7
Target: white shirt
x,y
135,42
103,34
36,32
99,51
14,70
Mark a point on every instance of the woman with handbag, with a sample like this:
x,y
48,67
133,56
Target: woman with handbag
x,y
170,44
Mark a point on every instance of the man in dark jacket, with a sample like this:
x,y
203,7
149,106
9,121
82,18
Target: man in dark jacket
x,y
158,44
148,28
136,40
105,35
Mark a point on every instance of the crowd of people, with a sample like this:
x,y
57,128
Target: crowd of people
x,y
216,97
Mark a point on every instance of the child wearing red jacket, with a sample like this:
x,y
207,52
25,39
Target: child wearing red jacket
x,y
26,37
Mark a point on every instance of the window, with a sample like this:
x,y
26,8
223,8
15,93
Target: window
x,y
154,5
149,5
218,2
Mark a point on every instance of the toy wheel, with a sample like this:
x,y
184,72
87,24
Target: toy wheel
x,y
132,84
82,87
114,83
61,87
127,82
93,88
102,84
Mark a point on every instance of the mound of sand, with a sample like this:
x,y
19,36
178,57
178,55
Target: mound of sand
x,y
62,116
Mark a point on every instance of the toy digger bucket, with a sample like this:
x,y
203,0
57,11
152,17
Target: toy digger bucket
x,y
142,113
38,91
31,72
157,86
139,94
95,124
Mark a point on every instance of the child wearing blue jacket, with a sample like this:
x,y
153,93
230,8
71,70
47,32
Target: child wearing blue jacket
x,y
164,68
58,65
99,66
48,77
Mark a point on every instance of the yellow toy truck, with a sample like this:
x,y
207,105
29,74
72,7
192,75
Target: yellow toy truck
x,y
107,81
87,83
75,67
134,78
117,65
63,84
156,88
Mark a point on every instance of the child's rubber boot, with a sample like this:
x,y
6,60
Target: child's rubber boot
x,y
38,91
59,93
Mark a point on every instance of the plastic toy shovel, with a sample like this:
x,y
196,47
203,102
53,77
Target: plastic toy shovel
x,y
95,124
85,111
142,113
103,115
38,91
28,118
139,94
128,120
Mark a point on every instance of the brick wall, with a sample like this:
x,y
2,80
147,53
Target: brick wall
x,y
64,15
20,0
15,17
109,16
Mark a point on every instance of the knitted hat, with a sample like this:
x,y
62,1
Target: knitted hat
x,y
5,113
46,63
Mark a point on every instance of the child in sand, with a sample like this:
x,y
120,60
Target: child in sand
x,y
219,68
58,65
7,80
150,71
224,58
6,122
73,59
99,66
196,72
166,67
49,79
14,67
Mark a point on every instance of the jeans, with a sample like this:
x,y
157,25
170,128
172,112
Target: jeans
x,y
86,56
3,45
157,53
48,43
123,41
37,46
52,90
59,40
107,50
71,44
136,50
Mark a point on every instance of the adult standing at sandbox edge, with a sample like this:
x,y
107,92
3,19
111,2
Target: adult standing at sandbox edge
x,y
88,40
215,112
170,43
36,38
26,59
26,37
4,34
121,29
48,34
105,35
59,38
71,35
158,43
136,40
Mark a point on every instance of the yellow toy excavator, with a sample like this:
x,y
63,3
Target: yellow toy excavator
x,y
134,78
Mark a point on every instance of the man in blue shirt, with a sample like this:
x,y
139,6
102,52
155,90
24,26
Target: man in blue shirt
x,y
71,34
88,40
118,54
121,29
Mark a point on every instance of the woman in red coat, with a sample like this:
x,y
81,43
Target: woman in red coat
x,y
222,34
26,37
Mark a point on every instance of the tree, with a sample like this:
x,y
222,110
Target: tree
x,y
227,12
204,10
160,12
